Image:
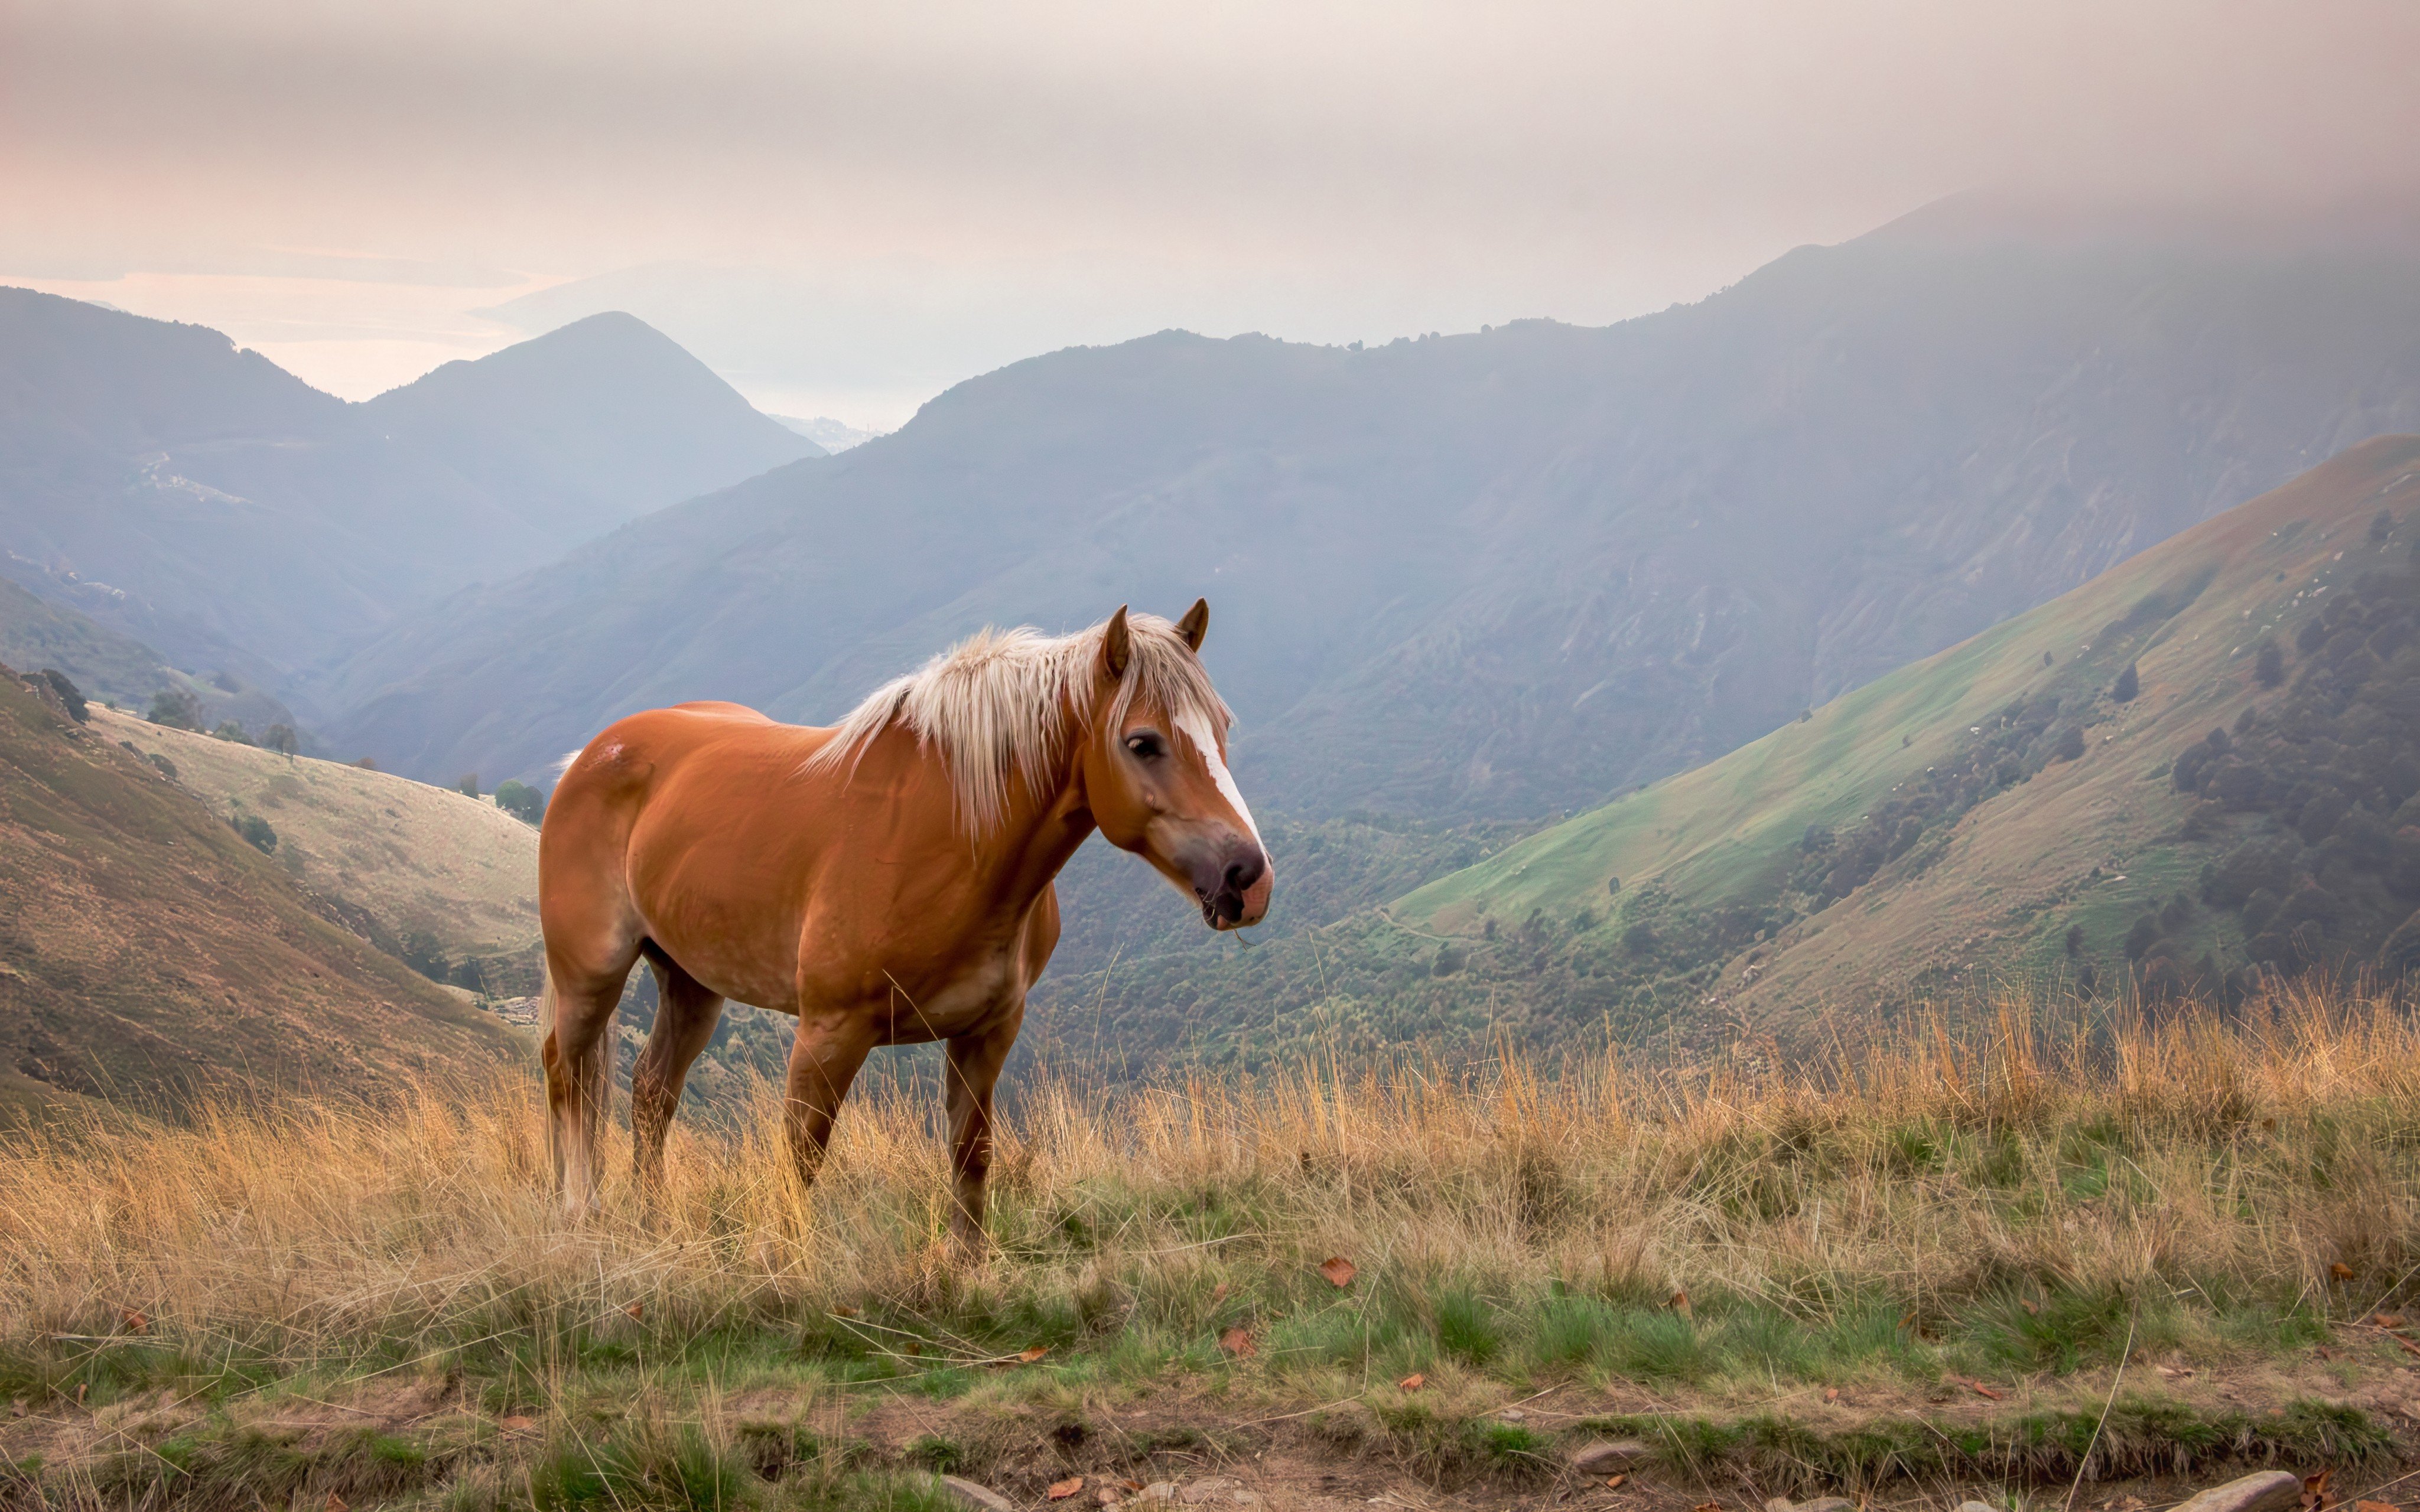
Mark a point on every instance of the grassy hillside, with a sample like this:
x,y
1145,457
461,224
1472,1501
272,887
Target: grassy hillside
x,y
2155,1259
147,949
2044,844
437,870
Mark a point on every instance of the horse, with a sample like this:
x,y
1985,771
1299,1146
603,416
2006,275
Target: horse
x,y
887,881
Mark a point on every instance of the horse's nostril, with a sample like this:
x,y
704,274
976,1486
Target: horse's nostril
x,y
1243,874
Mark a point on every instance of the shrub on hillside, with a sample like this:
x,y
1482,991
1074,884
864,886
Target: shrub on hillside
x,y
256,832
524,802
467,785
177,708
281,739
231,732
69,695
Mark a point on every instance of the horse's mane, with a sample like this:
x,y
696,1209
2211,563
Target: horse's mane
x,y
1001,702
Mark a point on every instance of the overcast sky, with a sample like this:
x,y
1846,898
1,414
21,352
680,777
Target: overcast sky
x,y
847,206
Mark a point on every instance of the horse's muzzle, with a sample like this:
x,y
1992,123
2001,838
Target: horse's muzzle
x,y
1234,885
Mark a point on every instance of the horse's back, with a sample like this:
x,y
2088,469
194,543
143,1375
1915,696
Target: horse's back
x,y
680,755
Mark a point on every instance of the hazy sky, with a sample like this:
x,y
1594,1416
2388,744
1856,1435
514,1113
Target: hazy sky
x,y
847,206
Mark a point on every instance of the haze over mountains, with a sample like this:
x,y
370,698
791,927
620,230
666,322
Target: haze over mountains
x,y
203,500
1497,574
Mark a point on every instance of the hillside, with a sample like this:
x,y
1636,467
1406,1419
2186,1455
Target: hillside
x,y
199,499
446,878
105,665
148,950
1928,832
1917,841
1501,574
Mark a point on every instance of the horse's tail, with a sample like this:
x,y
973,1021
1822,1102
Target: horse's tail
x,y
589,1081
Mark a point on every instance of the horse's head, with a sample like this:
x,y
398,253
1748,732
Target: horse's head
x,y
1156,771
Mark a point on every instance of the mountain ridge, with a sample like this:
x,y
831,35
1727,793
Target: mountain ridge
x,y
191,494
1497,575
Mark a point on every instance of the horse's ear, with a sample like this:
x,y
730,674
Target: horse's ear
x,y
1117,647
1196,624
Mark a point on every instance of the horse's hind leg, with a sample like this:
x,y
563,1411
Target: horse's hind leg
x,y
577,1051
685,1015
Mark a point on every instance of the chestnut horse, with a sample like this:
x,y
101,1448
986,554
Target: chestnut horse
x,y
887,881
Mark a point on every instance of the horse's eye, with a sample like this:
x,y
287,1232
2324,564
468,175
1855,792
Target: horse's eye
x,y
1146,744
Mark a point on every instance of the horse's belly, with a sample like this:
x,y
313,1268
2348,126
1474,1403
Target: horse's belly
x,y
968,1000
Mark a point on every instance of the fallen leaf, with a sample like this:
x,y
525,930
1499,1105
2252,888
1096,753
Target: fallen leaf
x,y
2323,1351
1131,1484
1908,1319
2409,1348
843,1312
2315,1489
335,1503
1339,1270
1681,1304
636,1311
1238,1342
1707,1506
2386,1320
518,1425
1219,1293
2340,1270
1981,1390
135,1322
2027,1304
1413,1381
2376,1506
1613,1483
1032,1352
1831,1394
80,1389
1061,1489
1109,1496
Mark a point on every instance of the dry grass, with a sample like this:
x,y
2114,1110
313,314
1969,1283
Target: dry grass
x,y
2015,1204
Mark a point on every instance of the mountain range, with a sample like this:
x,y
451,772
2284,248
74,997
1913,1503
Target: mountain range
x,y
1504,574
210,504
1680,575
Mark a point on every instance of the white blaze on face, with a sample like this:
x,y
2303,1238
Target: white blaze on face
x,y
1197,730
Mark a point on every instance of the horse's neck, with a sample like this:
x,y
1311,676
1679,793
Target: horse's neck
x,y
1039,832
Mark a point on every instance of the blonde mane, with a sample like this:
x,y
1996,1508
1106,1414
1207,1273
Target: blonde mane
x,y
1001,702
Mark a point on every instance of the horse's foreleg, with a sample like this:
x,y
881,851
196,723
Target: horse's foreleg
x,y
974,1067
686,1014
824,1060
